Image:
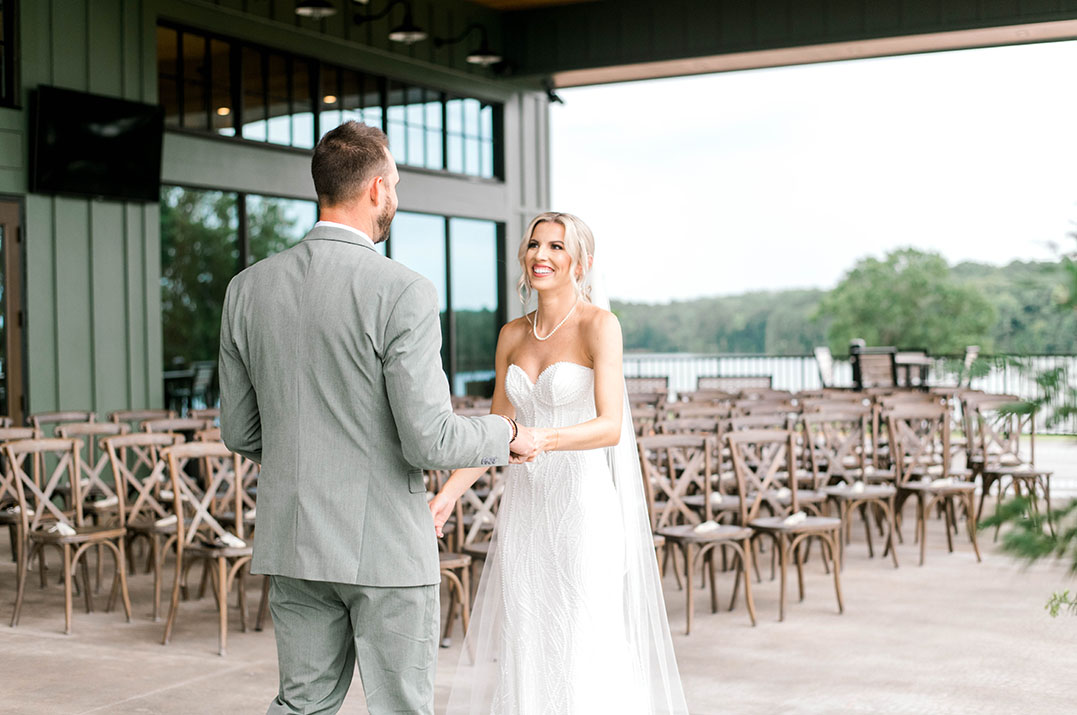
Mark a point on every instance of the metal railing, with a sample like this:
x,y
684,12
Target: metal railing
x,y
1008,374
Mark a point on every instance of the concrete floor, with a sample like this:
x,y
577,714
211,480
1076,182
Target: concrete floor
x,y
952,636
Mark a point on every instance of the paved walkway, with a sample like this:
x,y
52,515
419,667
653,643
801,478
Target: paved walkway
x,y
952,636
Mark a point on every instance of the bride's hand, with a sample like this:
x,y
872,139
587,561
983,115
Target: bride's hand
x,y
441,507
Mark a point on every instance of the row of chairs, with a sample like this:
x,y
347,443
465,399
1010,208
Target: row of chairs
x,y
100,485
724,457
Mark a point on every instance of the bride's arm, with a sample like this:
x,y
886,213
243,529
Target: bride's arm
x,y
460,480
604,344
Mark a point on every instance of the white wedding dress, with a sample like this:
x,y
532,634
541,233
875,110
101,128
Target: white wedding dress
x,y
550,632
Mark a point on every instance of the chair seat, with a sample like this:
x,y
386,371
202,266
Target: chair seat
x,y
726,503
659,540
810,524
804,496
1017,471
951,488
877,491
479,550
687,532
82,535
147,526
453,561
213,552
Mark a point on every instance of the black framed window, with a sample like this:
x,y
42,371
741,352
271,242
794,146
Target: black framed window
x,y
9,53
231,88
465,261
207,236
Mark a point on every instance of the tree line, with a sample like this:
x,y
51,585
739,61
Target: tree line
x,y
909,299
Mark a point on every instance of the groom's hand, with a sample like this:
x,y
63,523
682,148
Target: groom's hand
x,y
525,447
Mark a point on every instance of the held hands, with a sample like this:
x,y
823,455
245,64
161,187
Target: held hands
x,y
525,447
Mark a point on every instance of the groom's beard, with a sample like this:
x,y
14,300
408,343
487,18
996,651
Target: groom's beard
x,y
384,220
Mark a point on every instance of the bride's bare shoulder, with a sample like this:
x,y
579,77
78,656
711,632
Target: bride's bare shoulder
x,y
513,332
599,319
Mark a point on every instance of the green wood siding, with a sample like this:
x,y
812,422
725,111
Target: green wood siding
x,y
92,273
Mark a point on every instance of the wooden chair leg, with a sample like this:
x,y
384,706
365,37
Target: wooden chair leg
x,y
445,640
780,547
67,589
174,603
222,605
241,597
708,561
865,514
263,605
746,571
121,571
23,565
800,568
921,525
830,542
686,549
972,532
158,567
950,520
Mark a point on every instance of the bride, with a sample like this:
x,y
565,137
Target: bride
x,y
569,617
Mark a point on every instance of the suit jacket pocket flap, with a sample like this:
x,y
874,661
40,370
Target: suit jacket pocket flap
x,y
416,485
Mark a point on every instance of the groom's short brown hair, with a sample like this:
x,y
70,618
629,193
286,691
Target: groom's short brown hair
x,y
347,158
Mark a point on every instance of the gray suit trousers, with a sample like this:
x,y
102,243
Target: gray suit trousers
x,y
323,629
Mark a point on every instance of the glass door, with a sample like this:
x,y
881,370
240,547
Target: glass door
x,y
12,388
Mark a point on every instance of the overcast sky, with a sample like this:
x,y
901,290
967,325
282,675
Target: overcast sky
x,y
781,178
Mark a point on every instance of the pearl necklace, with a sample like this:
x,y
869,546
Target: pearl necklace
x,y
534,323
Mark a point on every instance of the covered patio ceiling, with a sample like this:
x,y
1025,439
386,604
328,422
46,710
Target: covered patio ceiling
x,y
597,41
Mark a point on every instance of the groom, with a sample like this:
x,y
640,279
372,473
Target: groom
x,y
331,379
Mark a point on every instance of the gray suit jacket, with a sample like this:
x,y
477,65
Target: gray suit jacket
x,y
331,379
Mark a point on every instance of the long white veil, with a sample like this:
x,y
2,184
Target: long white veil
x,y
650,648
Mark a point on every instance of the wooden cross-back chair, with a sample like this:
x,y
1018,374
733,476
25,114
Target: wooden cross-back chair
x,y
141,474
454,563
760,458
837,444
999,455
183,425
643,419
46,422
673,467
212,414
919,437
709,410
42,523
200,536
480,504
9,499
94,461
734,383
99,500
714,396
133,418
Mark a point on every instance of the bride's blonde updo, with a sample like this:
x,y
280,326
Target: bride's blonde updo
x,y
579,243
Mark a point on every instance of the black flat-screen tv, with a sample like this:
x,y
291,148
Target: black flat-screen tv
x,y
88,145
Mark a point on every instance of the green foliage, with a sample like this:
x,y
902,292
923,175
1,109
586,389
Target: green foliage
x,y
1061,600
908,299
778,323
1031,537
199,255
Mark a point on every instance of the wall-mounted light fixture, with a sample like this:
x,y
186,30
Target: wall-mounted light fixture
x,y
315,9
481,55
407,32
